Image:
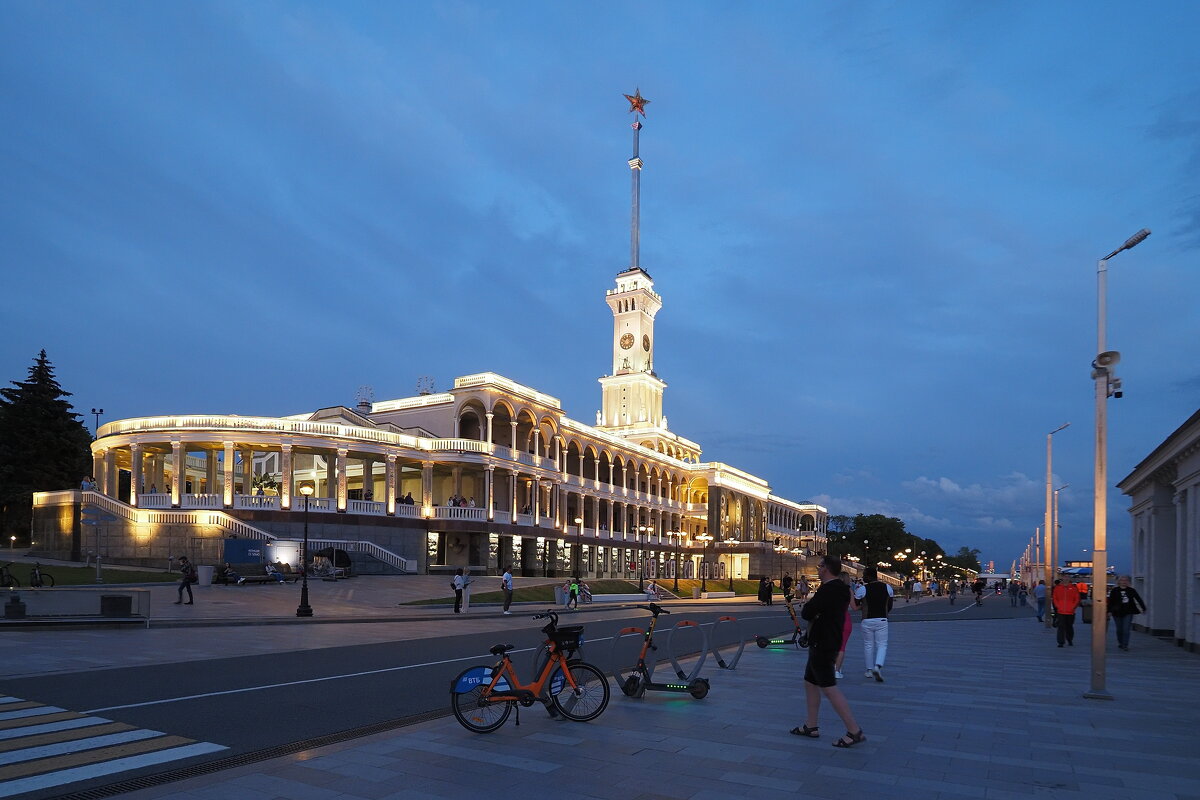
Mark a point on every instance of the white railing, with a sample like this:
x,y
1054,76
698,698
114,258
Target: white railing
x,y
524,519
354,545
322,505
141,516
261,502
201,501
366,507
407,511
466,445
456,512
155,500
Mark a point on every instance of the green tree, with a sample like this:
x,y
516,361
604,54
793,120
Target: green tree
x,y
966,557
44,445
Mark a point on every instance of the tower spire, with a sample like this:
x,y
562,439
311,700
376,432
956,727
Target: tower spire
x,y
637,105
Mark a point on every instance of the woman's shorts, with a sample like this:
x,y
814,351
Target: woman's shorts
x,y
819,671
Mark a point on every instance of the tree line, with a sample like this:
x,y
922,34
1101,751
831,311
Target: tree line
x,y
874,539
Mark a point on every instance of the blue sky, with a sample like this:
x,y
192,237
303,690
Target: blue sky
x,y
874,225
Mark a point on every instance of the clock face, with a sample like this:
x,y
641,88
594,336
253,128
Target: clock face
x,y
627,341
646,343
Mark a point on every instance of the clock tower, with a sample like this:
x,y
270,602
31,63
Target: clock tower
x,y
632,392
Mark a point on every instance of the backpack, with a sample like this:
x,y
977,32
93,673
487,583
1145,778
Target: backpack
x,y
191,574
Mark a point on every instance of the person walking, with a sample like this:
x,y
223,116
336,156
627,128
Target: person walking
x,y
457,584
188,576
952,589
506,588
467,581
786,584
1014,589
918,589
573,593
1065,598
825,613
875,598
764,593
1124,603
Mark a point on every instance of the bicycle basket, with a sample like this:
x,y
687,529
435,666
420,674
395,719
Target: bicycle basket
x,y
568,639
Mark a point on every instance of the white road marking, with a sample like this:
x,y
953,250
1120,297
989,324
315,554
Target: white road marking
x,y
11,788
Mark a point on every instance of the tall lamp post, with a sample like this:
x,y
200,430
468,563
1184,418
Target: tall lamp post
x,y
1054,516
1107,384
1047,523
304,609
96,412
676,535
733,542
706,538
579,546
641,562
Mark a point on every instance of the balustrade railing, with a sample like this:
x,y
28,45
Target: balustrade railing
x,y
258,501
524,519
156,500
366,507
458,512
201,501
407,511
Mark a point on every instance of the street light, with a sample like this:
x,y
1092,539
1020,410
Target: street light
x,y
705,537
641,530
733,542
96,412
1051,554
1107,384
304,609
579,546
676,535
1054,520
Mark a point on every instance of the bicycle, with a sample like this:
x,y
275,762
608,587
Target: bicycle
x,y
37,578
483,697
7,579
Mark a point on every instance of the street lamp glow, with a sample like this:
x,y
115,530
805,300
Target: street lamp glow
x,y
304,609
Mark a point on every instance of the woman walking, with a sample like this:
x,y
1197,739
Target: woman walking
x,y
847,627
1124,603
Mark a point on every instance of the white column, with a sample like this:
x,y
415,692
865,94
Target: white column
x,y
210,470
110,472
390,480
489,416
427,488
489,477
537,441
247,471
135,473
285,465
341,478
98,468
179,465
514,434
457,480
537,500
513,506
227,489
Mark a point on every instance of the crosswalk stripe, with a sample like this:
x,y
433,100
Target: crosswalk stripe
x,y
22,785
25,722
32,710
81,758
63,735
65,722
77,745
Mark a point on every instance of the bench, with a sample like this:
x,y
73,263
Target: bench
x,y
254,573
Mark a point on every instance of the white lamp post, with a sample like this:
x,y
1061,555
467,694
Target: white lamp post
x,y
1051,555
1107,384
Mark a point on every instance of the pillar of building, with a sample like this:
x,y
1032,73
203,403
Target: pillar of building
x,y
98,468
285,466
390,482
536,491
179,466
227,463
489,416
489,477
330,473
514,434
456,471
210,471
513,490
247,471
135,473
427,488
342,454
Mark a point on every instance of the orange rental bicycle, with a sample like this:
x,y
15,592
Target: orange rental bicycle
x,y
483,697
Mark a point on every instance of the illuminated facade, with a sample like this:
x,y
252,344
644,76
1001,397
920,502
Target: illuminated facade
x,y
488,474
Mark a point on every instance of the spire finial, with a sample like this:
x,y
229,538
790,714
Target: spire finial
x,y
637,105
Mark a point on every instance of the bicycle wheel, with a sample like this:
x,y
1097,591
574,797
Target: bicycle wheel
x,y
11,582
475,713
590,697
47,580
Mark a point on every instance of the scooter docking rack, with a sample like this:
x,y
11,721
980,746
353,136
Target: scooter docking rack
x,y
685,676
715,649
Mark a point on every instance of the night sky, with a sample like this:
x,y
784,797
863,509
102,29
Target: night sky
x,y
874,226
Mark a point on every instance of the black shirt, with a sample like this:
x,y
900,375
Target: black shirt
x,y
877,602
826,615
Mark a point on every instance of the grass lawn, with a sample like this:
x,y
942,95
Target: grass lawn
x,y
85,576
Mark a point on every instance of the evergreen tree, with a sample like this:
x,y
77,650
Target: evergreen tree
x,y
44,445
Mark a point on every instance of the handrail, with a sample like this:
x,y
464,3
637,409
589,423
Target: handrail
x,y
355,545
140,516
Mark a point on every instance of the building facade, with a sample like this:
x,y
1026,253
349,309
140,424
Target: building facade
x,y
489,474
1164,495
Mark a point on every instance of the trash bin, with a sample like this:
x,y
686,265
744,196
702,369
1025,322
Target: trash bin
x,y
116,605
695,592
1086,605
204,576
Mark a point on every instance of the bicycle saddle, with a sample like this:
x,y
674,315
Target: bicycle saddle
x,y
501,649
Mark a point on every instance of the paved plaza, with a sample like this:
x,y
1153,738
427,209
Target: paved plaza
x,y
970,708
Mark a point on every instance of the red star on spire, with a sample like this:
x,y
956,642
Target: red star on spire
x,y
637,103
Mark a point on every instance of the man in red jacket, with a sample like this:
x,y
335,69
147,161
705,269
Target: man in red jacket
x,y
1066,599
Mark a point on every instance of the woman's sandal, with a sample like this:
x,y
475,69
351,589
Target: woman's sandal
x,y
811,733
854,738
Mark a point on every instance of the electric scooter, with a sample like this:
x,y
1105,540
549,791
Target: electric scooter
x,y
799,637
639,681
